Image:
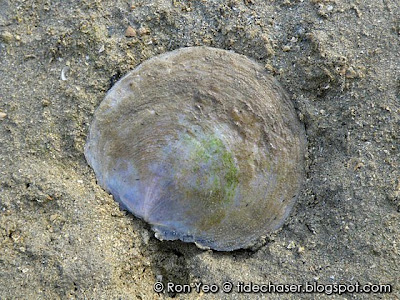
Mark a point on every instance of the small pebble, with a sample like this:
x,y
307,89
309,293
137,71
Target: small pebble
x,y
45,102
2,116
291,245
144,30
130,32
64,73
53,217
6,36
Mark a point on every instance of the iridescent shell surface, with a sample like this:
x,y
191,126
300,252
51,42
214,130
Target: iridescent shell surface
x,y
202,144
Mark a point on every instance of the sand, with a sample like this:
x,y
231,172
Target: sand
x,y
62,236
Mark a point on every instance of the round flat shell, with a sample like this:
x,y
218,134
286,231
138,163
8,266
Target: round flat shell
x,y
202,144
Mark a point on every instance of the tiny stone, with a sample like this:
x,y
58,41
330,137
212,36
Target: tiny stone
x,y
286,48
145,237
130,32
291,245
270,67
53,217
45,102
2,115
143,31
351,73
6,36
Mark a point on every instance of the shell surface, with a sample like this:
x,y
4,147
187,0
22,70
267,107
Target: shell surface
x,y
202,144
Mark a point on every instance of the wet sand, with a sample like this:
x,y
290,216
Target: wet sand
x,y
62,236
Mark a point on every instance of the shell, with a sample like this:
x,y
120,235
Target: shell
x,y
203,145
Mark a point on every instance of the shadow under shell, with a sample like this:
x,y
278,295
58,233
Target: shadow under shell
x,y
202,144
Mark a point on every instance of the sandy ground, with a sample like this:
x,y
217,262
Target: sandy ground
x,y
62,236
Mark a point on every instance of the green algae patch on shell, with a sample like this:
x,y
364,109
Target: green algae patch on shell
x,y
202,144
